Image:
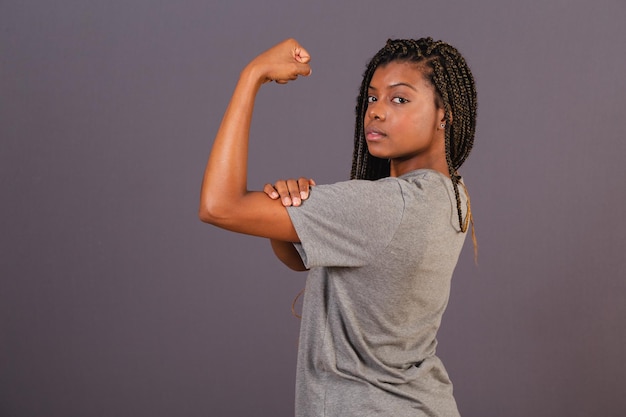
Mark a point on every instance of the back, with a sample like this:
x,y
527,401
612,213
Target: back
x,y
382,255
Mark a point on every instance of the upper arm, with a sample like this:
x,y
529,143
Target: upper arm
x,y
253,214
288,254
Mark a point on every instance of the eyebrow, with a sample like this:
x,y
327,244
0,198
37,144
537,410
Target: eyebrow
x,y
395,85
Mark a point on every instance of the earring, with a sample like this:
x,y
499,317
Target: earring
x,y
443,125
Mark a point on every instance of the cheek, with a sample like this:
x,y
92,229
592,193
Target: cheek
x,y
435,118
424,122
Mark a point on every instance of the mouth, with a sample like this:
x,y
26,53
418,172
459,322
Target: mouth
x,y
374,134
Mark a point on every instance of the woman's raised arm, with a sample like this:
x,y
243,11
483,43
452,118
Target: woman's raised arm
x,y
225,200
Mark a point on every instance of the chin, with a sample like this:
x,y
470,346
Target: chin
x,y
380,155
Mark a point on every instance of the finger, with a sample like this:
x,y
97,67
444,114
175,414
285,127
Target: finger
x,y
303,58
283,191
302,55
294,191
298,69
270,191
304,70
304,186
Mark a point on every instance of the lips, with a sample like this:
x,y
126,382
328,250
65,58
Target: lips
x,y
373,133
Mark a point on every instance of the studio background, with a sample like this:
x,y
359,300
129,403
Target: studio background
x,y
115,300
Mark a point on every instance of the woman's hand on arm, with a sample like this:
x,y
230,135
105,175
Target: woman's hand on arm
x,y
290,192
225,200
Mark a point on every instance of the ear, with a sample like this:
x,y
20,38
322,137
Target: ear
x,y
441,116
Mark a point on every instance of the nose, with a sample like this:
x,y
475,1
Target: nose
x,y
376,112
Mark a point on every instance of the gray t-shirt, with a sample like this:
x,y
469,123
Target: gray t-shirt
x,y
381,255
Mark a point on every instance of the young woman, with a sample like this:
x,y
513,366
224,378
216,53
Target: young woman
x,y
381,248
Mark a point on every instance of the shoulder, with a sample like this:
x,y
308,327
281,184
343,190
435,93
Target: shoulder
x,y
431,197
428,185
425,179
354,204
385,193
348,223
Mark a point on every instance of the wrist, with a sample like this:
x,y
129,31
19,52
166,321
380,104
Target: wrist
x,y
252,76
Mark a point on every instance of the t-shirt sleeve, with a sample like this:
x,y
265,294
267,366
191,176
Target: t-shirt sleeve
x,y
348,223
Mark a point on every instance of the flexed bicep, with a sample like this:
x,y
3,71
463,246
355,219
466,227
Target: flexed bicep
x,y
254,214
224,200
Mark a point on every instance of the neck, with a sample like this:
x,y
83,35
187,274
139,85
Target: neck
x,y
400,167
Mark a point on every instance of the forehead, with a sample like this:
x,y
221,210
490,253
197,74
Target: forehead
x,y
395,72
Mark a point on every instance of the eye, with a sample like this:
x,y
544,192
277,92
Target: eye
x,y
399,100
371,99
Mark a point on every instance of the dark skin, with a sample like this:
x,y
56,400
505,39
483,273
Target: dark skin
x,y
403,124
290,192
225,200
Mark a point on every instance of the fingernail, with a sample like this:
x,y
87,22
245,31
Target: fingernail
x,y
274,194
302,195
296,201
286,201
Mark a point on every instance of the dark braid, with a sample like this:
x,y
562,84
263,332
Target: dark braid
x,y
455,92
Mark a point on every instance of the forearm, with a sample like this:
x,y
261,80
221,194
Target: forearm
x,y
287,253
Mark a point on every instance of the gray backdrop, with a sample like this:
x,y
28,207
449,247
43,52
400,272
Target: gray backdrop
x,y
116,301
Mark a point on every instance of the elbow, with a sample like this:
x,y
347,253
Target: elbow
x,y
210,213
219,210
204,216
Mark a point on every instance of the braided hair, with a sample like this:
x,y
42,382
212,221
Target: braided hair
x,y
444,67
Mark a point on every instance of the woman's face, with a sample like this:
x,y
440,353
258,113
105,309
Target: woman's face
x,y
402,122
